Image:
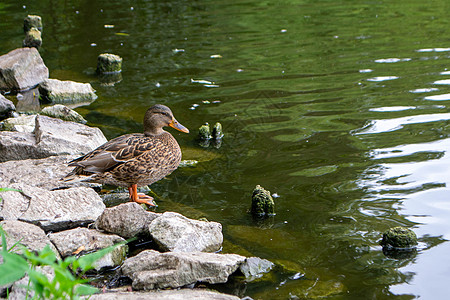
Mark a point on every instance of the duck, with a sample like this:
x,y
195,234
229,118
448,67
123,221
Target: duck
x,y
136,159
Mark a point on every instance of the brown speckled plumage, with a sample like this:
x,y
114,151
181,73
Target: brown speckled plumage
x,y
134,159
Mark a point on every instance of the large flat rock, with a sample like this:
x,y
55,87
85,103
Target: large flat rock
x,y
151,269
21,69
181,294
50,137
51,210
61,92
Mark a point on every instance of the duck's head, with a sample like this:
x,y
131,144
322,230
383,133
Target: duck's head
x,y
159,116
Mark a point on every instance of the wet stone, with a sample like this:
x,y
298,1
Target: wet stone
x,y
32,38
109,63
32,21
64,113
262,202
399,237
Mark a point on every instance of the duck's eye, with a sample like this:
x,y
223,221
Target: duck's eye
x,y
165,114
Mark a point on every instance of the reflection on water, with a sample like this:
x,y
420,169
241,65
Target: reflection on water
x,y
328,104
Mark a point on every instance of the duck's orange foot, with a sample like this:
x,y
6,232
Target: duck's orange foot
x,y
140,197
143,198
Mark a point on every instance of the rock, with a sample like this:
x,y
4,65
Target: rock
x,y
32,38
204,133
51,137
6,107
255,267
151,269
21,69
51,210
32,21
262,202
174,232
399,237
44,173
29,235
180,294
217,132
109,63
62,112
127,220
22,123
61,92
19,290
69,241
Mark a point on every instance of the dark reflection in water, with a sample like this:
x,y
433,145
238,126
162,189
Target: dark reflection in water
x,y
338,108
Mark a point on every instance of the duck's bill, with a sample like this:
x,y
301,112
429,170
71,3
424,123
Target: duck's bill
x,y
174,124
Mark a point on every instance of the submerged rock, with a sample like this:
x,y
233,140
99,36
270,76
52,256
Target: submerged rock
x,y
204,132
262,202
32,38
61,92
51,210
127,220
151,269
217,132
21,69
109,63
175,232
255,267
399,237
64,113
32,21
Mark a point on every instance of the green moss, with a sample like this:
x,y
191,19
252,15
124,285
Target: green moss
x,y
109,63
399,237
33,38
32,21
204,133
262,202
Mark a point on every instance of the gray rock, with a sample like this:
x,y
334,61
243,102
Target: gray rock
x,y
23,123
6,107
62,112
61,92
28,235
44,173
32,38
181,294
174,232
51,210
51,137
255,267
89,240
127,220
151,269
21,69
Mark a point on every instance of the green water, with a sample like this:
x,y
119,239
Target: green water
x,y
335,106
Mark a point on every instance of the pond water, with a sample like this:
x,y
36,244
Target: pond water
x,y
338,107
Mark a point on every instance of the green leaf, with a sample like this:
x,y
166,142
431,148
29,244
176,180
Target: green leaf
x,y
84,289
86,261
13,268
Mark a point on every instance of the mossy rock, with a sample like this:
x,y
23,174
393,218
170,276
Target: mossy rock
x,y
109,63
32,21
399,237
262,202
204,132
32,38
217,132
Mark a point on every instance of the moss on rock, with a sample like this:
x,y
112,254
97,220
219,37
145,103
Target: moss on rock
x,y
109,63
262,202
399,237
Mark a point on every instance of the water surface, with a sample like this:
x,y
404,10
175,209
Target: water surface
x,y
338,107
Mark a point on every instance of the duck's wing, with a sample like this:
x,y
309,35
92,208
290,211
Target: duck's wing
x,y
111,154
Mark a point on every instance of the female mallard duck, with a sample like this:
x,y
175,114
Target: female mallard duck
x,y
135,159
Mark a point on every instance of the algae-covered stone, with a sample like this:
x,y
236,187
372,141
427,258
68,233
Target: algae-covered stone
x,y
399,237
204,132
217,132
32,38
32,21
262,202
109,63
58,92
64,113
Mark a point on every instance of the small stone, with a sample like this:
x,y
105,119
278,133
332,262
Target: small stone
x,y
204,132
32,38
399,237
32,21
217,132
255,267
109,63
262,202
64,113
